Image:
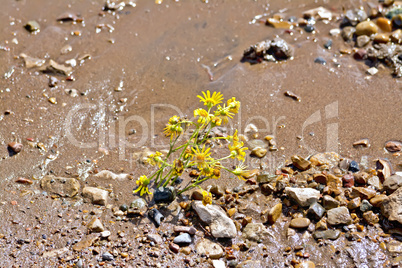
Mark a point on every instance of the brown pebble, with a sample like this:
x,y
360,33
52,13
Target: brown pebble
x,y
299,223
393,146
384,24
366,28
381,38
15,147
24,181
174,247
362,142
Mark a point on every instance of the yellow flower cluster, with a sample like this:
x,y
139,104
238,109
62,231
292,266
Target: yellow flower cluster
x,y
195,153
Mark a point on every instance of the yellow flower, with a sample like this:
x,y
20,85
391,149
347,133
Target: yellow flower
x,y
216,121
237,150
224,114
216,173
142,182
200,158
239,171
209,100
233,105
233,138
178,167
174,120
187,153
203,115
154,159
207,171
206,198
172,130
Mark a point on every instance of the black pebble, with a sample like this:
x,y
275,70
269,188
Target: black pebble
x,y
309,28
320,61
354,166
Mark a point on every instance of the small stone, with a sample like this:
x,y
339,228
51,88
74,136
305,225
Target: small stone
x,y
384,24
320,178
255,232
327,234
300,163
366,28
361,177
392,183
360,54
274,213
305,264
95,225
53,81
304,196
372,71
365,206
157,239
329,202
107,256
266,178
174,247
105,234
156,216
15,147
32,26
309,28
354,166
251,128
31,62
354,203
209,248
299,223
335,32
362,40
328,44
320,60
370,217
217,191
383,168
164,195
184,238
316,211
138,204
24,181
396,36
363,193
378,200
392,206
319,13
348,32
96,195
381,38
185,250
85,242
54,67
362,142
259,152
218,264
354,16
393,146
339,216
348,180
321,225
279,24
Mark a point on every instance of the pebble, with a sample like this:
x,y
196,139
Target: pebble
x,y
156,216
370,217
15,147
299,223
327,234
328,44
316,211
164,195
347,33
354,166
32,26
378,200
383,168
309,28
393,146
365,206
361,177
363,192
362,142
53,81
174,247
157,239
366,28
96,195
184,238
384,24
300,163
320,60
85,242
24,181
274,213
259,152
107,256
279,24
305,264
209,248
362,40
354,203
95,225
304,196
255,232
392,183
396,36
218,264
334,32
348,180
339,215
105,234
381,38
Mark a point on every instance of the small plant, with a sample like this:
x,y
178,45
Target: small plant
x,y
195,153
